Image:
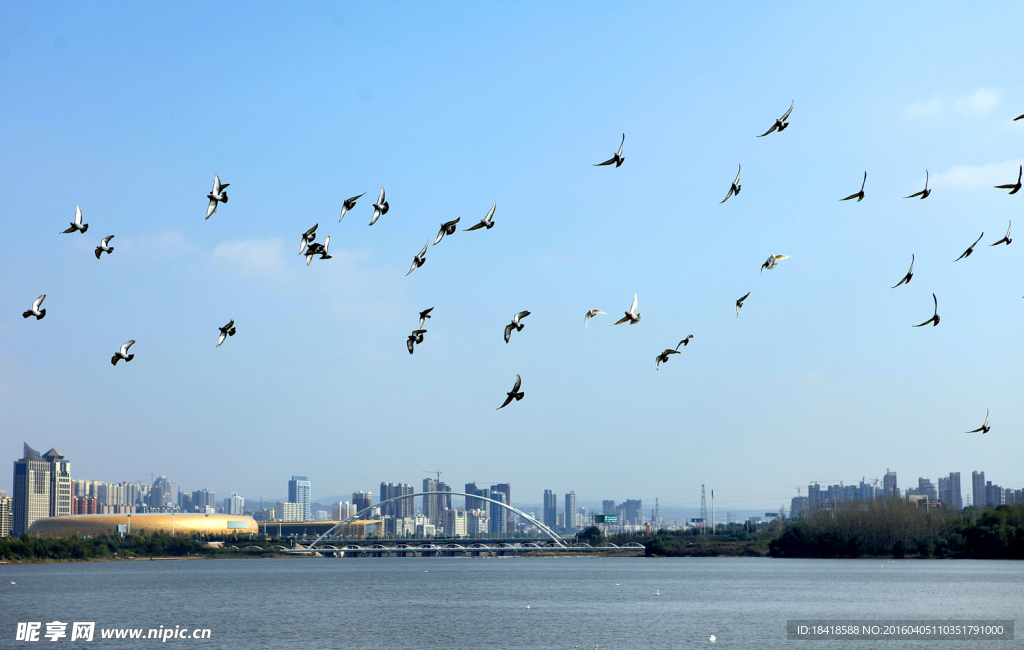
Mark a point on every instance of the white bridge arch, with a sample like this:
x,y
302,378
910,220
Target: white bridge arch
x,y
550,533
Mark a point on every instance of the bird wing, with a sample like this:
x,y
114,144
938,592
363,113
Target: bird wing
x,y
519,383
779,258
309,257
621,145
490,213
852,196
1018,118
376,215
440,235
312,230
327,244
508,331
216,184
221,338
774,126
669,351
449,224
936,303
99,251
986,419
124,348
37,302
476,227
926,322
926,176
424,251
520,316
380,199
727,195
210,209
737,181
78,215
106,241
904,280
409,344
911,270
786,116
978,240
413,267
914,194
506,403
632,308
230,324
976,430
863,182
354,199
607,162
743,298
620,321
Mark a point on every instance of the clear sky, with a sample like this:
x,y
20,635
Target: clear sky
x,y
130,110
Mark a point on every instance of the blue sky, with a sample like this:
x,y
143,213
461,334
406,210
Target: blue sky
x,y
130,114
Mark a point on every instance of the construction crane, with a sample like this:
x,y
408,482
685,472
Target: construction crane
x,y
434,471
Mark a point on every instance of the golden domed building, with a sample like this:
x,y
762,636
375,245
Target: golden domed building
x,y
172,524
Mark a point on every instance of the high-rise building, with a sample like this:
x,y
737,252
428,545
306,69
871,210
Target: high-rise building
x,y
362,500
288,511
978,488
31,490
797,507
571,516
927,488
6,514
431,502
497,518
504,488
889,485
813,495
608,507
398,509
60,484
455,523
993,494
444,501
299,492
161,495
954,488
234,505
471,502
550,509
633,511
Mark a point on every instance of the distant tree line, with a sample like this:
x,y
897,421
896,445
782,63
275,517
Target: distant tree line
x,y
109,546
899,528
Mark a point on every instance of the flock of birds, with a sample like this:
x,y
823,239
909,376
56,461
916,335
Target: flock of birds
x,y
313,250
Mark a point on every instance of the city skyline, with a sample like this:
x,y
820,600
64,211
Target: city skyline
x,y
820,376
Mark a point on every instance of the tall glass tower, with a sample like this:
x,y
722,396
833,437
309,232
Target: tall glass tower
x,y
298,492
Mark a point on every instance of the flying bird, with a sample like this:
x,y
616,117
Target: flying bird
x,y
379,208
447,228
1013,187
414,339
859,195
908,276
633,316
983,428
486,221
348,204
967,253
772,261
934,320
923,193
515,324
424,315
226,331
77,223
739,304
36,311
663,357
1005,240
420,258
514,394
617,158
123,354
684,342
590,314
307,238
780,123
1018,118
316,248
104,247
735,189
216,195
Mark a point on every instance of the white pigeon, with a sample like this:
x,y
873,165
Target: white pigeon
x,y
103,247
226,331
216,195
36,311
379,208
77,223
590,314
772,261
123,354
347,205
307,238
515,324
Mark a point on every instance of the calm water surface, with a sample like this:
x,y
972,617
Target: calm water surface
x,y
473,603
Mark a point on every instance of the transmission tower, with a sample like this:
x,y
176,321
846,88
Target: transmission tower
x,y
657,515
703,508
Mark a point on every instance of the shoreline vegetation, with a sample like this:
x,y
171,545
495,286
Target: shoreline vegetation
x,y
889,528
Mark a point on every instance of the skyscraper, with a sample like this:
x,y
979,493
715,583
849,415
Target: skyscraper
x,y
431,502
978,488
927,488
234,505
471,502
608,507
31,490
497,519
60,484
550,509
570,512
954,488
889,484
398,509
299,492
362,500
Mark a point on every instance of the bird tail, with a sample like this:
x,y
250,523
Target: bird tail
x,y
225,199
114,359
110,250
386,208
130,357
42,314
85,227
231,332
